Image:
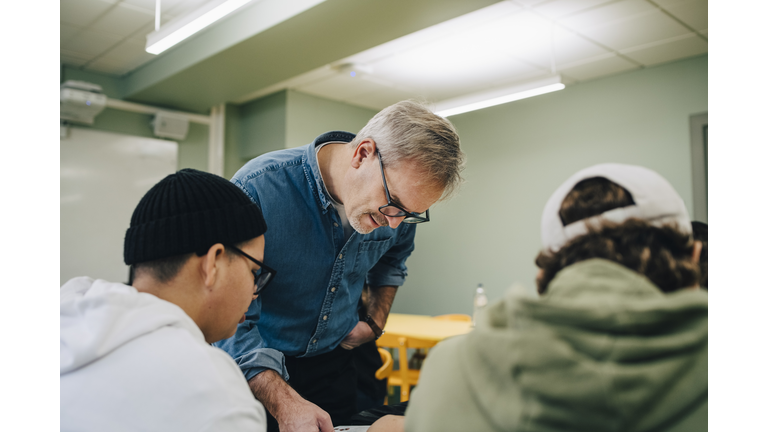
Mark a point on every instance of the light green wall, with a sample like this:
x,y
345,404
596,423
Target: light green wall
x,y
309,116
288,118
233,131
193,150
517,155
263,125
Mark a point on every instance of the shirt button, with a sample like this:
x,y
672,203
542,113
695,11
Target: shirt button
x,y
341,255
335,224
314,341
333,289
325,317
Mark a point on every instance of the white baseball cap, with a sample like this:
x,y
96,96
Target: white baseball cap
x,y
656,201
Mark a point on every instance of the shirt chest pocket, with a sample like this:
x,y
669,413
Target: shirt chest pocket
x,y
369,252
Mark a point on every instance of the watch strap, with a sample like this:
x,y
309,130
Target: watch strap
x,y
375,327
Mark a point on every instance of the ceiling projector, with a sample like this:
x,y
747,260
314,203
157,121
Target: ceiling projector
x,y
81,101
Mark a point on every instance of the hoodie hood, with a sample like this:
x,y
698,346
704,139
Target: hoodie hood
x,y
604,350
98,317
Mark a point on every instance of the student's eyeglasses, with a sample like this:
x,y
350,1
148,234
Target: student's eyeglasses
x,y
393,210
262,276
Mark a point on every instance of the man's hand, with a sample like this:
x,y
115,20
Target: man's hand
x,y
301,415
292,412
359,335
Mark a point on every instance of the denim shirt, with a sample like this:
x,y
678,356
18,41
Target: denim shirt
x,y
312,303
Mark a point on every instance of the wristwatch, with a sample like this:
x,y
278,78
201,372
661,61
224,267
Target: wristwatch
x,y
375,327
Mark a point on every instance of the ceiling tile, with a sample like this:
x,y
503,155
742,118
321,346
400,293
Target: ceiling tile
x,y
469,22
122,21
145,4
73,58
140,37
692,12
82,12
674,49
71,61
106,66
637,30
461,62
607,65
66,31
617,11
176,8
562,8
128,53
166,5
92,43
531,38
570,47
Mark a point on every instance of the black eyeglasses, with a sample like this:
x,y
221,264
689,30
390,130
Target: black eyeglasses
x,y
393,210
262,276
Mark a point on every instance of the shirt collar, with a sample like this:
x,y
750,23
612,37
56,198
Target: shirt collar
x,y
311,155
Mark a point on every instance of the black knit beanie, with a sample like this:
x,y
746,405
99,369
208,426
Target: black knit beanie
x,y
187,212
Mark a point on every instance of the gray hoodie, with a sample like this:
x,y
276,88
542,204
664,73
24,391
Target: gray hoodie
x,y
604,350
131,361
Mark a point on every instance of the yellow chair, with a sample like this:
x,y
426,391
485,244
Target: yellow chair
x,y
386,369
405,377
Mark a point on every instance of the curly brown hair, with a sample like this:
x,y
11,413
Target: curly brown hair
x,y
700,230
662,254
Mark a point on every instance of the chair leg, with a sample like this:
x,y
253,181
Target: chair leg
x,y
405,385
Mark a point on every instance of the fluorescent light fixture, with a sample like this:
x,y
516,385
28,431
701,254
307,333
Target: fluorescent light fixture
x,y
489,98
181,28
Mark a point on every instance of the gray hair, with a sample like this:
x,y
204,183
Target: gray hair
x,y
408,130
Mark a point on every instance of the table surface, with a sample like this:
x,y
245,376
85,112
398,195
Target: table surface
x,y
424,327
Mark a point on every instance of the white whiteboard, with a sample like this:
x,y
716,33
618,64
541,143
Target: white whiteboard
x,y
103,177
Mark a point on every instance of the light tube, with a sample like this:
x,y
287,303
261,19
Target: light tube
x,y
501,100
191,27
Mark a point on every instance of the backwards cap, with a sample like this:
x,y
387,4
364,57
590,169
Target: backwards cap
x,y
655,202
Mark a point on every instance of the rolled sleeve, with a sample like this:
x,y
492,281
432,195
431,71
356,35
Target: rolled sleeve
x,y
261,359
391,270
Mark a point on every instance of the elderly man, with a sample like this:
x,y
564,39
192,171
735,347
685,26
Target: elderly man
x,y
618,340
138,356
342,212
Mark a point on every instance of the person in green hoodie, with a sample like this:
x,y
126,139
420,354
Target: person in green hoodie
x,y
617,340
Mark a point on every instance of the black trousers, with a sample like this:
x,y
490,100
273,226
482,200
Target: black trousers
x,y
328,380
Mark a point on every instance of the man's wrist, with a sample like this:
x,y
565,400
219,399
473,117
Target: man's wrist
x,y
273,392
377,331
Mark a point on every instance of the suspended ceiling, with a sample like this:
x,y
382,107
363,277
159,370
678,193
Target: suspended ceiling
x,y
430,49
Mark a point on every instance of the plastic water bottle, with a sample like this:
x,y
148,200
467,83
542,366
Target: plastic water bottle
x,y
480,301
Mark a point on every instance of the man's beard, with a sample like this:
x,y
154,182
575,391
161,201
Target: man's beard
x,y
356,224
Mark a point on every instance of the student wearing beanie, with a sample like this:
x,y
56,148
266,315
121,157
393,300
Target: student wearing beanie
x,y
139,356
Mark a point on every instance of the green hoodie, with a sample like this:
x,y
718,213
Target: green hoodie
x,y
603,350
